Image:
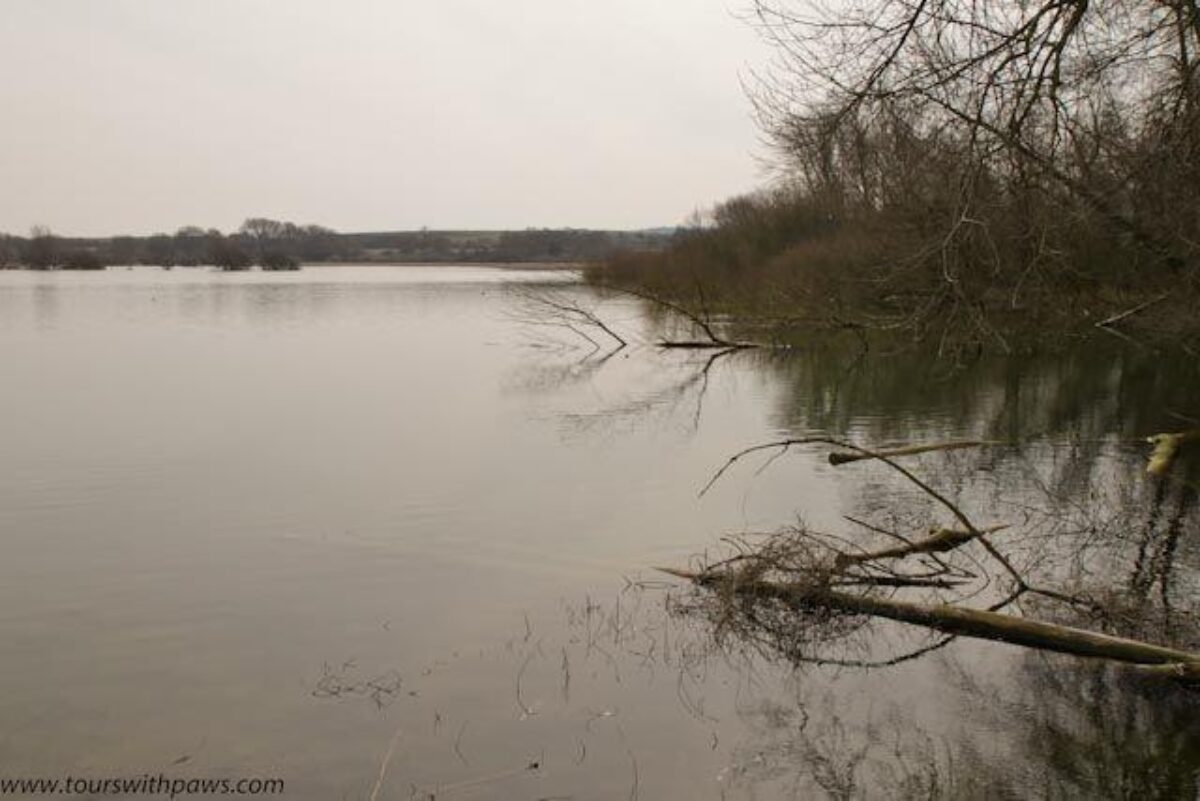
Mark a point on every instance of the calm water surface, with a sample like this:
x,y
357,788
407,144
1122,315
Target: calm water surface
x,y
366,530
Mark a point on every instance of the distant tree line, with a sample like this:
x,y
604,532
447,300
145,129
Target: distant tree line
x,y
269,244
534,245
277,245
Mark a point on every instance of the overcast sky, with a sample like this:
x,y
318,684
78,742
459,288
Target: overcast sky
x,y
144,115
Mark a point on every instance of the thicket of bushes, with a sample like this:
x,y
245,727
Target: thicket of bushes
x,y
960,171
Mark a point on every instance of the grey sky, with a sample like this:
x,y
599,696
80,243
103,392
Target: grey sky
x,y
144,115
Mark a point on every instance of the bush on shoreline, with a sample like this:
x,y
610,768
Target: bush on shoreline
x,y
961,173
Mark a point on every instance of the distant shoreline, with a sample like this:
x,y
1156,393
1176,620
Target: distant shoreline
x,y
281,245
492,265
495,265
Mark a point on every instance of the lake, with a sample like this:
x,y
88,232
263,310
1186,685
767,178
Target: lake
x,y
373,531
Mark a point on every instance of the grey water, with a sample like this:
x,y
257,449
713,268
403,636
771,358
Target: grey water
x,y
374,532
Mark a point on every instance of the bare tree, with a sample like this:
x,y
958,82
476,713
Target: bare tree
x,y
1095,104
41,253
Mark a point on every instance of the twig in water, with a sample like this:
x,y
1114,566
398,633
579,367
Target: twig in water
x,y
566,671
633,790
533,766
525,710
458,744
582,752
383,766
1116,318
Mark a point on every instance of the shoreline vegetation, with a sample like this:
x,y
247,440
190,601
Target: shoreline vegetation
x,y
760,273
970,176
275,245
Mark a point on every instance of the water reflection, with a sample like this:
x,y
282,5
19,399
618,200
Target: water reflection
x,y
1067,464
584,698
45,306
1087,731
288,516
1048,730
1092,394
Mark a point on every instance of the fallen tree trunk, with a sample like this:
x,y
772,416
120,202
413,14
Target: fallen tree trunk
x,y
961,621
938,541
841,457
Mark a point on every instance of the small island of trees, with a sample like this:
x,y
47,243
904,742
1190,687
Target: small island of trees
x,y
268,244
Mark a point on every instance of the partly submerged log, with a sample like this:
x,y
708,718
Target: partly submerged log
x,y
706,344
841,457
939,540
962,621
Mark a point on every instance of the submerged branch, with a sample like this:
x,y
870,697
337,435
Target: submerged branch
x,y
940,541
800,586
556,309
837,458
959,621
712,340
1116,318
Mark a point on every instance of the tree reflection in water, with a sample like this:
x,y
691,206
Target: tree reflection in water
x,y
1070,477
1051,730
